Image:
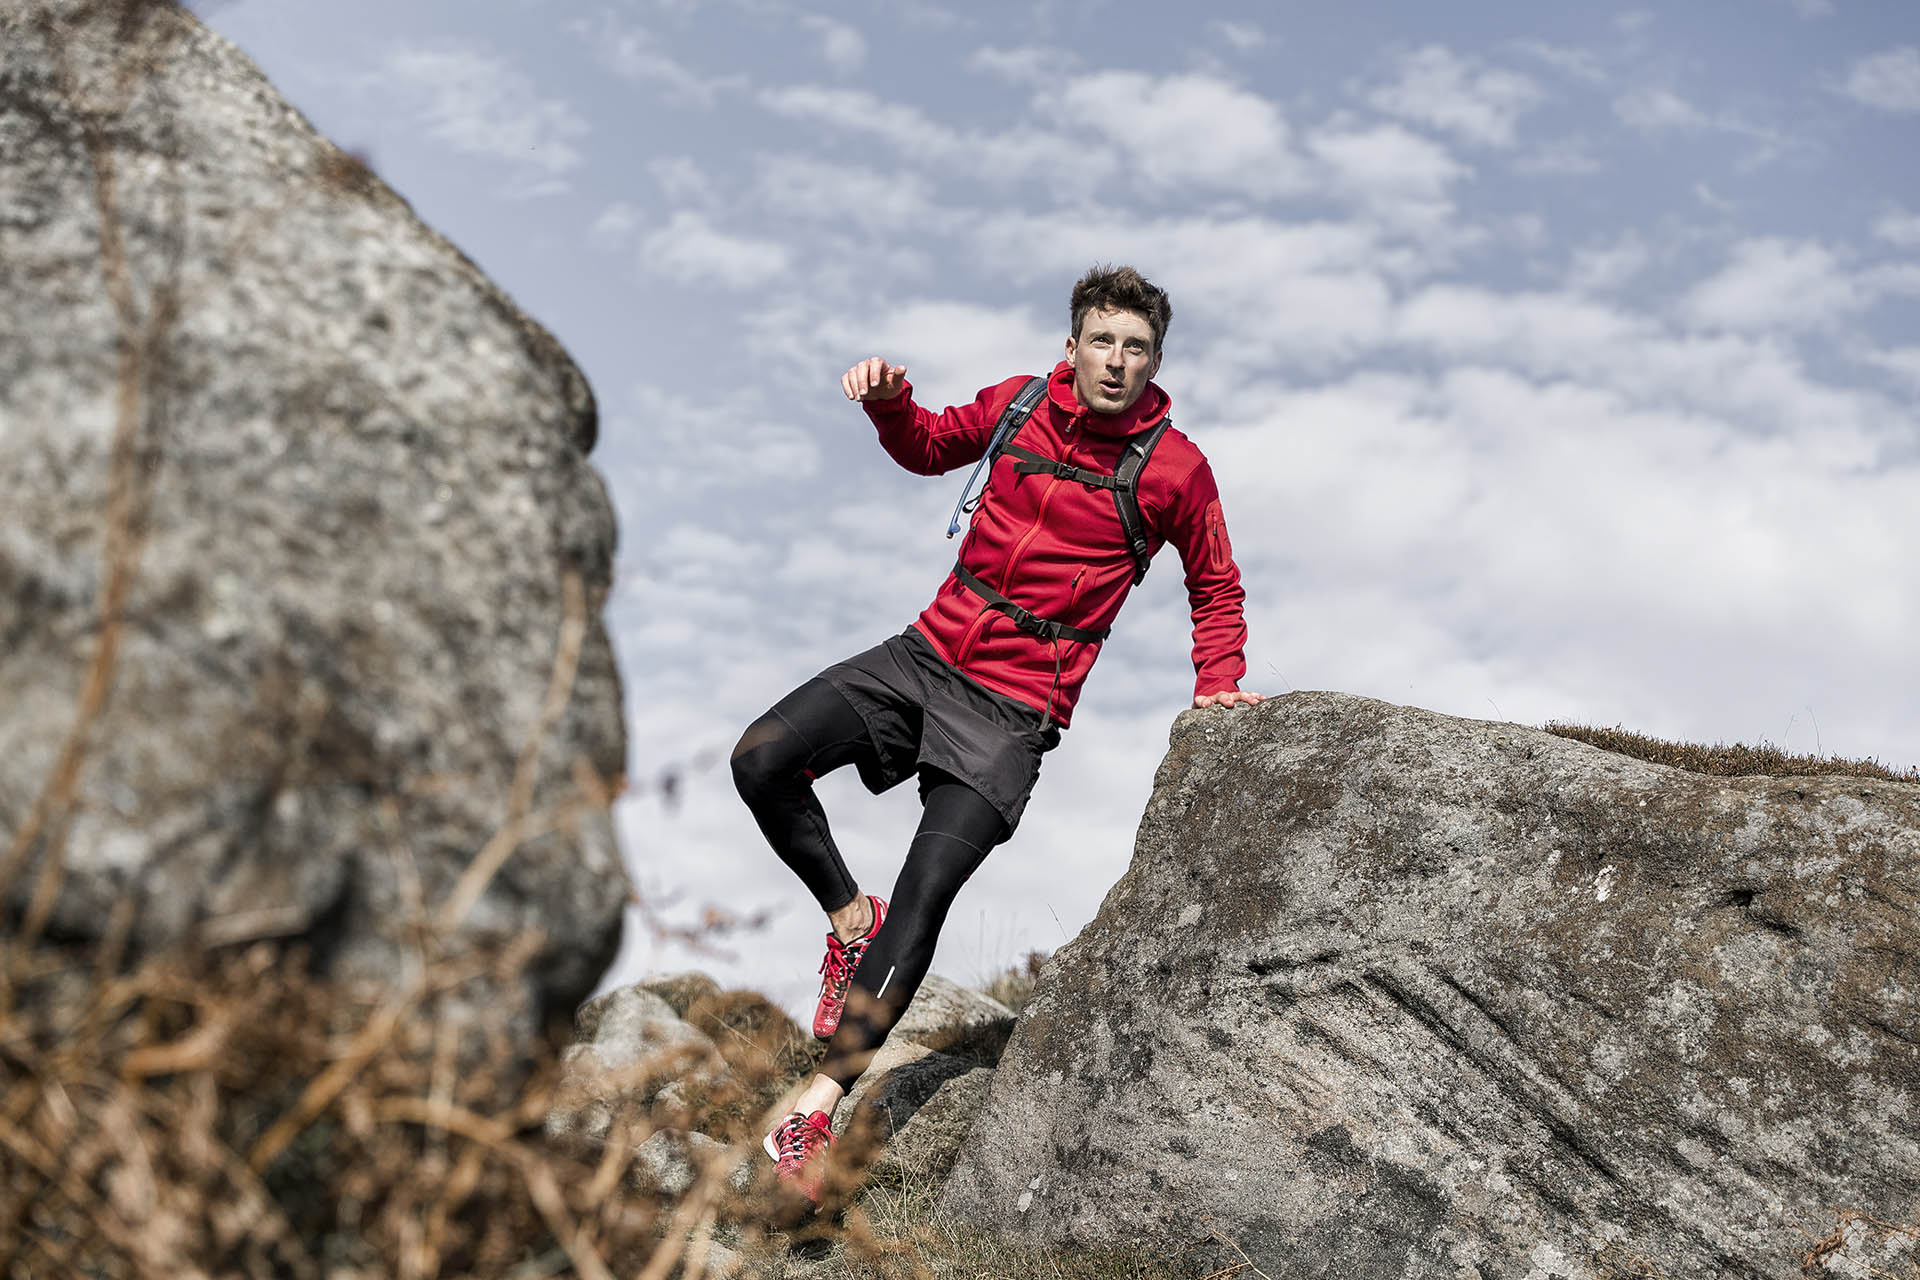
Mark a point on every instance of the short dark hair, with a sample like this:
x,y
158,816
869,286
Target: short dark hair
x,y
1121,289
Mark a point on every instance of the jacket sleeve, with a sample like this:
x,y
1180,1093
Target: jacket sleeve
x,y
1195,525
931,444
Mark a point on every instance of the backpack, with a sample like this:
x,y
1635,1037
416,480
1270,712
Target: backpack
x,y
1123,484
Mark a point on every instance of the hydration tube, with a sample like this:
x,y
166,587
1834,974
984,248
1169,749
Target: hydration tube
x,y
966,504
1018,410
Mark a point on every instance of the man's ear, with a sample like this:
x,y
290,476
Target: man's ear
x,y
1154,368
1071,344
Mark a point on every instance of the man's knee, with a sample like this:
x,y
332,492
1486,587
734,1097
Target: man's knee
x,y
768,754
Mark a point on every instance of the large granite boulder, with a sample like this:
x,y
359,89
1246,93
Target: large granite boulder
x,y
1386,993
328,488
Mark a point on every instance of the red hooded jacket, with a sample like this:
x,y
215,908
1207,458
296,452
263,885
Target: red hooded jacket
x,y
1054,546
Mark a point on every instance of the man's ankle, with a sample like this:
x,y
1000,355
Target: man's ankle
x,y
857,917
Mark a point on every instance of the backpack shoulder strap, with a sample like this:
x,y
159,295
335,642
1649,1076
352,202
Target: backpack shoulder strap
x,y
1015,416
1126,493
1012,418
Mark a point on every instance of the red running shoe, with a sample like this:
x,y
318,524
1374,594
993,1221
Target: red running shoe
x,y
842,959
798,1147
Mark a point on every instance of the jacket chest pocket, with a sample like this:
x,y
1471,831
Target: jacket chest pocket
x,y
1220,547
1073,587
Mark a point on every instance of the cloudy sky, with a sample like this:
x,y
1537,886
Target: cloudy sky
x,y
1556,361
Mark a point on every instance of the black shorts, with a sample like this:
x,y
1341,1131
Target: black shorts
x,y
923,714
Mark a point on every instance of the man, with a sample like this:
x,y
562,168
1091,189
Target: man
x,y
971,695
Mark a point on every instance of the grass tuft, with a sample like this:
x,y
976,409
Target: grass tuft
x,y
1724,761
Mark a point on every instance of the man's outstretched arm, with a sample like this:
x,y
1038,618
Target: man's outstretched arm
x,y
925,443
1198,530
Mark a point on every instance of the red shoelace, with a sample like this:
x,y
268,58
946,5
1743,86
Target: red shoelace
x,y
797,1138
841,960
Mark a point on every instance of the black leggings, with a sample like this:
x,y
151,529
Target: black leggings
x,y
813,731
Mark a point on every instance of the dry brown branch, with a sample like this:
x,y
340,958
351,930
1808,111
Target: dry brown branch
x,y
325,1087
1833,1244
545,1193
198,1050
1244,1267
135,346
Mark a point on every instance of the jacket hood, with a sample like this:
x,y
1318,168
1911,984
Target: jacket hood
x,y
1152,406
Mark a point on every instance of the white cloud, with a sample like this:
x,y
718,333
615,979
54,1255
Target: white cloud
x,y
1186,129
1279,291
1707,196
1029,64
1899,227
1016,155
1771,283
1604,267
1902,362
1244,36
615,225
692,250
1578,64
698,440
1475,539
1753,378
635,54
1396,173
843,47
1654,110
484,106
833,191
1894,279
1567,156
1538,331
682,179
952,349
1888,80
1438,88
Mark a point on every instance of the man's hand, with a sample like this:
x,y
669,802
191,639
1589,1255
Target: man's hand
x,y
1229,698
874,379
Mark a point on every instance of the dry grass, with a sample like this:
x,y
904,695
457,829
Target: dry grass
x,y
1723,761
224,1114
221,1112
1851,1223
1013,986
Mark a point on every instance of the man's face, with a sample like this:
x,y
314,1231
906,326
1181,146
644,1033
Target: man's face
x,y
1112,358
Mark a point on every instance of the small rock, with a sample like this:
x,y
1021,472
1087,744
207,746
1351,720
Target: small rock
x,y
682,990
953,1020
669,1163
634,1047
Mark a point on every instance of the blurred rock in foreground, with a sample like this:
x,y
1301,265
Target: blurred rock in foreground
x,y
333,485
